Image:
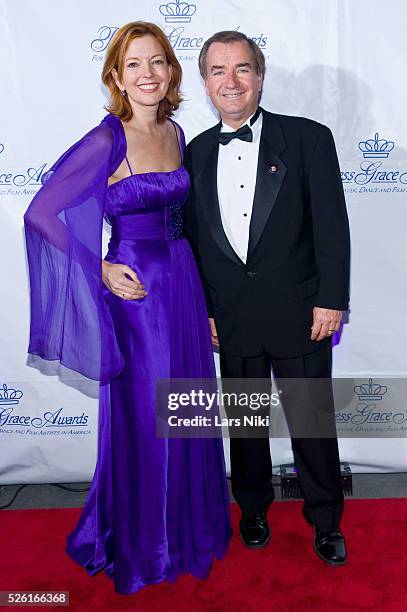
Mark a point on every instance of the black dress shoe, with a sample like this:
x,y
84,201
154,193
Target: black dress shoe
x,y
254,529
330,546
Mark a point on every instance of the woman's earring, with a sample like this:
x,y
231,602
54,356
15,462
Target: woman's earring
x,y
123,92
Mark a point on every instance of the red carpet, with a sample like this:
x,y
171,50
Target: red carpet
x,y
285,576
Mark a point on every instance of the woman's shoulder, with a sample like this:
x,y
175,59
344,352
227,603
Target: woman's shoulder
x,y
99,145
101,136
179,130
177,125
107,138
112,121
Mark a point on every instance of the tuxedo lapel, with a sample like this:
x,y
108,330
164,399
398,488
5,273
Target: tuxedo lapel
x,y
271,171
206,184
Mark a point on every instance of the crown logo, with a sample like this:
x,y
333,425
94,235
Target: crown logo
x,y
8,396
370,392
376,148
179,11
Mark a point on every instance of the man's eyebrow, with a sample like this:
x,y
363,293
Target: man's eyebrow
x,y
239,65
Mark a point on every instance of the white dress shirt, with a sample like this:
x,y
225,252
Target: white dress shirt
x,y
236,181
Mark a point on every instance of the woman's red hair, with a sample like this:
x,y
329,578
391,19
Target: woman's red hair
x,y
115,54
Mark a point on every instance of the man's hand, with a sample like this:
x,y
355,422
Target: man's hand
x,y
326,322
214,333
122,281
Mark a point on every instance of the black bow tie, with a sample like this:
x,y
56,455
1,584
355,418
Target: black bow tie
x,y
244,133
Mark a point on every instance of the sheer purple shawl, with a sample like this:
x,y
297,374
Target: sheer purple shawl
x,y
70,321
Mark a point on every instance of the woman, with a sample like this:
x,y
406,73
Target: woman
x,y
156,507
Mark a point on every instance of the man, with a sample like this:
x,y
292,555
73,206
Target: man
x,y
267,220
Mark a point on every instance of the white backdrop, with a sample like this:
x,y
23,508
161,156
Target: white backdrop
x,y
336,61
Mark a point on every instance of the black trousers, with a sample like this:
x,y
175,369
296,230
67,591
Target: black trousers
x,y
316,459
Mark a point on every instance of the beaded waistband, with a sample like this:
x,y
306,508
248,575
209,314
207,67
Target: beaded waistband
x,y
166,224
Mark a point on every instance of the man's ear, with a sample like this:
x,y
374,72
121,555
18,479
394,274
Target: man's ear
x,y
206,87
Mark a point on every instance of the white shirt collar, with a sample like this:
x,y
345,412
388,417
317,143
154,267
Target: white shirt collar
x,y
256,127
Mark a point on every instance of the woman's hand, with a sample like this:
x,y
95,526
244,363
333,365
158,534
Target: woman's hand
x,y
115,277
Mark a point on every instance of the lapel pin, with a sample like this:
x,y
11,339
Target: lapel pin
x,y
273,169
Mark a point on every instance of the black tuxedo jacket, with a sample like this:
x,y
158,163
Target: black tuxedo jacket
x,y
298,254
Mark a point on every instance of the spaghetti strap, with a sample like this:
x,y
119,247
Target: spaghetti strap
x,y
178,142
129,166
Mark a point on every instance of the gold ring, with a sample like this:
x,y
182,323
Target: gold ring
x,y
331,330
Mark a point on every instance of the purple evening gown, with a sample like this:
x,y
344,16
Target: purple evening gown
x,y
156,507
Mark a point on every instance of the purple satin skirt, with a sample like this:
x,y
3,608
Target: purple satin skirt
x,y
156,507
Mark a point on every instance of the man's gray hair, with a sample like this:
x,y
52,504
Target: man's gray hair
x,y
230,36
